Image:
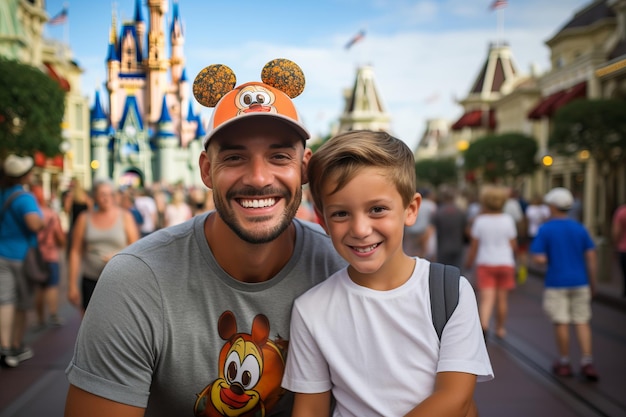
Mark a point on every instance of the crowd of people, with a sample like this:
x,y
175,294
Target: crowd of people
x,y
83,229
191,298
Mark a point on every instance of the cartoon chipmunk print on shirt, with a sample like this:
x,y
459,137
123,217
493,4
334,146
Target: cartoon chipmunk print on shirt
x,y
251,367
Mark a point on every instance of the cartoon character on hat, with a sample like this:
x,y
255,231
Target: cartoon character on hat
x,y
282,80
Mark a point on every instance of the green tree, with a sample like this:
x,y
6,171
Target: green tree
x,y
598,126
436,171
501,156
31,110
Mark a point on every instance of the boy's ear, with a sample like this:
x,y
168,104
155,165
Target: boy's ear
x,y
321,219
413,209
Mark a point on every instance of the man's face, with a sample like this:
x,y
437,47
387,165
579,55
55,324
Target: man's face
x,y
256,169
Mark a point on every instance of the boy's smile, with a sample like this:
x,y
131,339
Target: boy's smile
x,y
366,221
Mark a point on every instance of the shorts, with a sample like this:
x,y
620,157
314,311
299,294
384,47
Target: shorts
x,y
14,287
501,277
54,278
568,305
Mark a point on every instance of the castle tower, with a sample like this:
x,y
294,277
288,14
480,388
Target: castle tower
x,y
364,108
177,40
157,62
113,72
100,139
141,27
166,144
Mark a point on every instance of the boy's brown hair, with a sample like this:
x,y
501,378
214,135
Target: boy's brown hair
x,y
343,156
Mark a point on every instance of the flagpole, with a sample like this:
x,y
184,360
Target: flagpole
x,y
66,29
500,26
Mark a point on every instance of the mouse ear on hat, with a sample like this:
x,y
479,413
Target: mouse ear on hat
x,y
212,83
284,75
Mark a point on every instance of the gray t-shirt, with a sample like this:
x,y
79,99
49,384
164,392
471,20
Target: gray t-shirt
x,y
167,325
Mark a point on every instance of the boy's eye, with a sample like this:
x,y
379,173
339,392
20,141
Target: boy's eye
x,y
378,210
338,214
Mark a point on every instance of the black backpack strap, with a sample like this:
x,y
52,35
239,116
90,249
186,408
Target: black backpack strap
x,y
443,282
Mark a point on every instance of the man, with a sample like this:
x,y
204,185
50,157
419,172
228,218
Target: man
x,y
565,246
195,318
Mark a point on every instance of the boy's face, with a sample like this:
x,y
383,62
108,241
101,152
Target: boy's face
x,y
366,221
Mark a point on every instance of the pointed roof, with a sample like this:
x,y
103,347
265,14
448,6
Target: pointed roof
x,y
99,120
113,53
97,113
364,96
364,107
183,76
130,30
131,110
200,131
593,14
190,116
165,113
497,70
165,125
176,28
138,12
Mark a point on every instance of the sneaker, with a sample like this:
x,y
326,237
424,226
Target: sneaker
x,y
7,359
589,372
22,354
55,321
561,369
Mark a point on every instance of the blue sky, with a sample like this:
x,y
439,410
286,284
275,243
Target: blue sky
x,y
425,53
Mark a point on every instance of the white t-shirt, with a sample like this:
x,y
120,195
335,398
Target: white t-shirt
x,y
494,233
378,350
148,209
536,214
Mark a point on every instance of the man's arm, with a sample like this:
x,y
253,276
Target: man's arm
x,y
81,403
453,397
310,405
591,259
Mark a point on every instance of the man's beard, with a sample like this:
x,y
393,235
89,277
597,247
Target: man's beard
x,y
263,236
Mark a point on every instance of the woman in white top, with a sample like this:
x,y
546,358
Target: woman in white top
x,y
492,247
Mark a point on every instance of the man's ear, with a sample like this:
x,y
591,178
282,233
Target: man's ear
x,y
205,169
305,163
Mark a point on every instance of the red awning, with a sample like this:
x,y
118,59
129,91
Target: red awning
x,y
476,118
65,85
548,105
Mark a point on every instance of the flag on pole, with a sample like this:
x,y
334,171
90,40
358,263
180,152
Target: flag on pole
x,y
359,36
498,4
60,18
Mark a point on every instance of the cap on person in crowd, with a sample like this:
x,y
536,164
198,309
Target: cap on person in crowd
x,y
17,166
561,198
282,80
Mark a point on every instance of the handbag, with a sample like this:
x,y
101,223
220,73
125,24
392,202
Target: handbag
x,y
36,269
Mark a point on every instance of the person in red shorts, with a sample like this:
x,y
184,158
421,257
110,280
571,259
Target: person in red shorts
x,y
492,247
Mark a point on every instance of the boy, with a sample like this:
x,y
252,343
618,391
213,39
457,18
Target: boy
x,y
366,333
564,245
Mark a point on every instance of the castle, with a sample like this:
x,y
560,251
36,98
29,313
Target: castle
x,y
150,133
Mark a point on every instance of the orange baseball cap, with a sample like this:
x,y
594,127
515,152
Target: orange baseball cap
x,y
254,99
